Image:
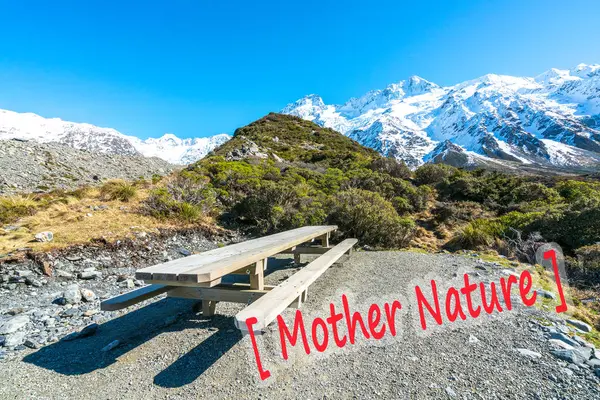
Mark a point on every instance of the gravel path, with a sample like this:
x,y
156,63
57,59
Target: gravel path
x,y
194,357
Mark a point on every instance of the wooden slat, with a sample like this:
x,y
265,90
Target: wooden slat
x,y
216,263
233,294
134,297
307,250
266,308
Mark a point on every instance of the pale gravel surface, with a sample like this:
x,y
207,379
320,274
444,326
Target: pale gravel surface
x,y
201,358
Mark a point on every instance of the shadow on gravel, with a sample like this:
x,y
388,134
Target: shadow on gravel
x,y
82,356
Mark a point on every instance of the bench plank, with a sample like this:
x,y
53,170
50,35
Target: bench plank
x,y
214,264
134,297
271,304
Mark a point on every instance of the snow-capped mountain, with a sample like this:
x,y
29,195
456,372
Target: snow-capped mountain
x,y
169,147
552,119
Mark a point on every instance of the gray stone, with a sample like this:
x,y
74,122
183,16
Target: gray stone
x,y
593,362
566,372
87,275
44,236
71,312
88,295
63,274
127,284
2,340
31,344
562,337
24,273
529,353
184,252
473,339
15,339
575,356
14,324
72,294
450,392
582,326
34,282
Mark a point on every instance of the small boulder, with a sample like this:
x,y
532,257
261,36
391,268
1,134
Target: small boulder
x,y
88,295
582,326
13,324
87,275
184,252
44,236
15,339
72,294
529,353
127,284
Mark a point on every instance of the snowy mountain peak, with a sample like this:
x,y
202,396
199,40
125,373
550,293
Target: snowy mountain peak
x,y
551,119
29,126
416,85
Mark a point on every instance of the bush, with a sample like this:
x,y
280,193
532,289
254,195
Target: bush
x,y
432,174
14,207
450,213
480,232
118,190
392,167
589,257
370,218
183,198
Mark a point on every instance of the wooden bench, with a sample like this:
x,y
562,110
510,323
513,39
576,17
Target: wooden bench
x,y
200,276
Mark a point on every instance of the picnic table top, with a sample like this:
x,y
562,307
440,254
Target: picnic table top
x,y
214,264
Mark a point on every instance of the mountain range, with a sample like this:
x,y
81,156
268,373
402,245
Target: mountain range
x,y
552,119
28,126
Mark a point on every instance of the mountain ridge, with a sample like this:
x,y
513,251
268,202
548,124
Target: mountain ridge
x,y
552,119
84,136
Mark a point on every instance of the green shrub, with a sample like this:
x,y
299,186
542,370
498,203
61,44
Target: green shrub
x,y
459,211
432,174
370,218
118,190
589,256
391,167
183,198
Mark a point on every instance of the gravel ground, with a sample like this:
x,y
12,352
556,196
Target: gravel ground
x,y
194,357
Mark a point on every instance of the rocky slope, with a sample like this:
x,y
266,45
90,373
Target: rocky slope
x,y
552,119
169,147
31,167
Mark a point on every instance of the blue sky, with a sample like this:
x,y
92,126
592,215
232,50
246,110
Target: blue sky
x,y
197,68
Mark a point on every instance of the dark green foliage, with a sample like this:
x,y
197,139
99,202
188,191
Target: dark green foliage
x,y
370,218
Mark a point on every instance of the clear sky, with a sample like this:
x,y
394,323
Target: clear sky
x,y
197,68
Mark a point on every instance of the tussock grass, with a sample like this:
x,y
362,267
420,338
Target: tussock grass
x,y
118,190
14,207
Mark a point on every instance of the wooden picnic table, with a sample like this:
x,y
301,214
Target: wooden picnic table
x,y
199,276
